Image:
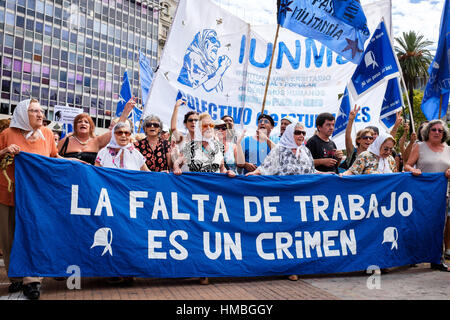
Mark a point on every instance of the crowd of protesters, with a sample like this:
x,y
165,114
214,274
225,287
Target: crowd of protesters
x,y
216,147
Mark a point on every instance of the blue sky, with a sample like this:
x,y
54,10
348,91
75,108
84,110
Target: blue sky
x,y
422,16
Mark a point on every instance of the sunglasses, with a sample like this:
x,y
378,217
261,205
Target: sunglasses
x,y
120,133
367,138
437,130
152,124
192,120
300,132
205,125
221,128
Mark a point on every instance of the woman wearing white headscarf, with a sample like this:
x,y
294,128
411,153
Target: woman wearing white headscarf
x,y
377,159
290,156
25,133
120,152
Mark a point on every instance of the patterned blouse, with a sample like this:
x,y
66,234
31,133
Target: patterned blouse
x,y
156,160
199,159
282,161
367,163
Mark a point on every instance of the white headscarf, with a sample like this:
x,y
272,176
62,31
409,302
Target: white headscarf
x,y
20,119
114,145
288,141
383,163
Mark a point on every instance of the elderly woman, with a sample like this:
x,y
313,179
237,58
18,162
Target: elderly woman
x,y
290,156
120,152
203,154
25,133
155,149
377,159
83,144
433,155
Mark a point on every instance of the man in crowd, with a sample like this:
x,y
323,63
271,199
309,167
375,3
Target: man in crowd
x,y
324,151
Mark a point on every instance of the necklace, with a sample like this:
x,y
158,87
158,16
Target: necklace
x,y
82,142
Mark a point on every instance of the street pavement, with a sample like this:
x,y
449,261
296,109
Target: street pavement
x,y
402,283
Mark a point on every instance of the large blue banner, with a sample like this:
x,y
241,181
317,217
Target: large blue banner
x,y
112,222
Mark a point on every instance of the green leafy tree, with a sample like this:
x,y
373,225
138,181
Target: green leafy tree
x,y
414,58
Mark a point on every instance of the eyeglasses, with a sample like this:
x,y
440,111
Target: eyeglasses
x,y
120,133
36,111
152,124
207,125
367,138
264,121
223,128
437,130
192,120
388,149
300,132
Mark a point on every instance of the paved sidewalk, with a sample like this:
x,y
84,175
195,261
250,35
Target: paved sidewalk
x,y
406,283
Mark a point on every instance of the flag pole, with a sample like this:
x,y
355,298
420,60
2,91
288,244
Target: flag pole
x,y
403,83
270,68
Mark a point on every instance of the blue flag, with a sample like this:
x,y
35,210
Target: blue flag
x,y
379,63
342,116
136,115
125,94
66,128
339,24
145,75
392,102
439,82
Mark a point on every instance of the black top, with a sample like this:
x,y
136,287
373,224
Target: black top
x,y
88,157
323,149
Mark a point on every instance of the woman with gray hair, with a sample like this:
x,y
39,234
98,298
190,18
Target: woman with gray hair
x,y
120,153
155,149
433,155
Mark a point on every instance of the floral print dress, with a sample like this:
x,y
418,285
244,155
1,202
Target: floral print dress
x,y
367,163
156,160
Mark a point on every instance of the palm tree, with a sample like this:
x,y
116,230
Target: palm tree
x,y
414,58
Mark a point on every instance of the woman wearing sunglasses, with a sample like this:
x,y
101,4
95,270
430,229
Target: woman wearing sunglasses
x,y
204,153
433,155
155,149
364,138
377,159
290,156
120,153
232,151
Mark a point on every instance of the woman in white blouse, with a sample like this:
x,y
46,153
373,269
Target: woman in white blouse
x,y
120,152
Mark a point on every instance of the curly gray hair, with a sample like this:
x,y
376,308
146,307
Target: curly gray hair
x,y
153,117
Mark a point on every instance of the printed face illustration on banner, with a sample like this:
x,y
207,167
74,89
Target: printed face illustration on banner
x,y
202,66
